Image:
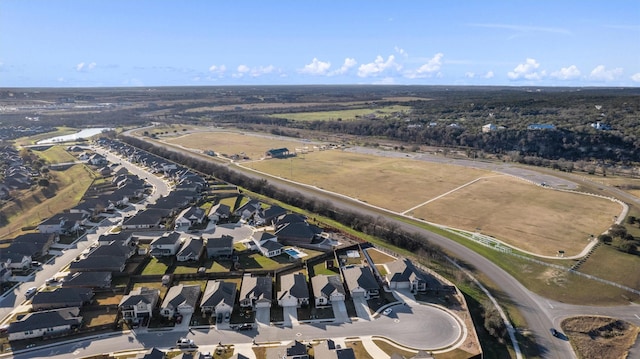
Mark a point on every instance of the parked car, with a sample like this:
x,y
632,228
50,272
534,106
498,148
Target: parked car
x,y
554,332
30,292
245,326
36,264
387,311
185,343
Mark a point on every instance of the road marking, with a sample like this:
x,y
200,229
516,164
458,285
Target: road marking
x,y
637,316
550,306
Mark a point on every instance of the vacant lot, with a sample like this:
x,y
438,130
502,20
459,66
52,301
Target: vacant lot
x,y
532,218
231,143
600,337
346,115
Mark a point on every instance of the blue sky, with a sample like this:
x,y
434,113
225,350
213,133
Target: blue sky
x,y
69,43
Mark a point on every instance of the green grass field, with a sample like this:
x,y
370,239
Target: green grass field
x,y
56,154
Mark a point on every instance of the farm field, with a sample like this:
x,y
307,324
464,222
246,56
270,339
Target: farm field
x,y
231,143
532,218
535,219
346,115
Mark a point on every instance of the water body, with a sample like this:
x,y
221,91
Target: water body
x,y
87,132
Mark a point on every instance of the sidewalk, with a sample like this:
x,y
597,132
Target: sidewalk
x,y
373,349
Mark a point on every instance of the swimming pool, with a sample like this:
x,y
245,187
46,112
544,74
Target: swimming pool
x,y
294,253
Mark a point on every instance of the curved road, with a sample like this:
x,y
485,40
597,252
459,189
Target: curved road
x,y
535,309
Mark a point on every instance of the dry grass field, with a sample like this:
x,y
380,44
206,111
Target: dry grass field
x,y
529,217
396,184
532,218
600,337
346,115
233,143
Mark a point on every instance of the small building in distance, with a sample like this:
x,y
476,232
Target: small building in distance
x,y
278,153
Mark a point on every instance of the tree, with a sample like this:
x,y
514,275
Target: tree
x,y
494,324
617,231
628,247
605,238
631,220
43,182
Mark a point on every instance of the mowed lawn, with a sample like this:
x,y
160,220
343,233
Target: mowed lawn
x,y
535,219
233,143
396,184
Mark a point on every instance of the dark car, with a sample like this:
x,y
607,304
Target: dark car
x,y
245,327
554,332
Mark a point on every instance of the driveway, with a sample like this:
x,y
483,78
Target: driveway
x,y
263,316
362,309
290,316
340,312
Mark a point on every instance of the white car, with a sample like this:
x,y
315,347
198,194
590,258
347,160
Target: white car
x,y
185,343
30,292
387,311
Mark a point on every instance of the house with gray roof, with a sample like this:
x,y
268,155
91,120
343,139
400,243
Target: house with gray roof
x,y
299,234
219,247
256,292
191,250
96,280
45,323
167,245
147,219
139,303
402,274
113,264
329,350
219,212
64,223
294,290
61,298
180,299
219,298
327,289
360,282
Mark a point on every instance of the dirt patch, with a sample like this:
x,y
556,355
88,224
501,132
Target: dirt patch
x,y
554,277
600,337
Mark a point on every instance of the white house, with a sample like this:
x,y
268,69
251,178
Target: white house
x,y
294,291
167,245
256,292
45,323
327,289
139,303
361,282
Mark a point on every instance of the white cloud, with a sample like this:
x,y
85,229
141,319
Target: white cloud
x,y
243,70
567,73
85,67
316,67
469,75
432,66
219,70
489,75
635,77
378,66
401,51
527,71
600,73
348,64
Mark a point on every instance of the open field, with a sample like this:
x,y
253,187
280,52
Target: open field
x,y
529,217
233,143
392,183
600,337
32,206
624,264
56,154
631,185
379,257
342,115
61,131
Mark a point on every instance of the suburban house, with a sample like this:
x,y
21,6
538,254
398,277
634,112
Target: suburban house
x,y
149,218
15,260
267,244
180,299
61,298
247,210
256,292
219,212
97,160
139,303
269,216
191,250
97,280
94,263
167,244
294,290
46,323
299,234
327,289
122,237
5,272
192,215
219,298
65,223
39,243
361,282
402,274
155,353
297,350
219,247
